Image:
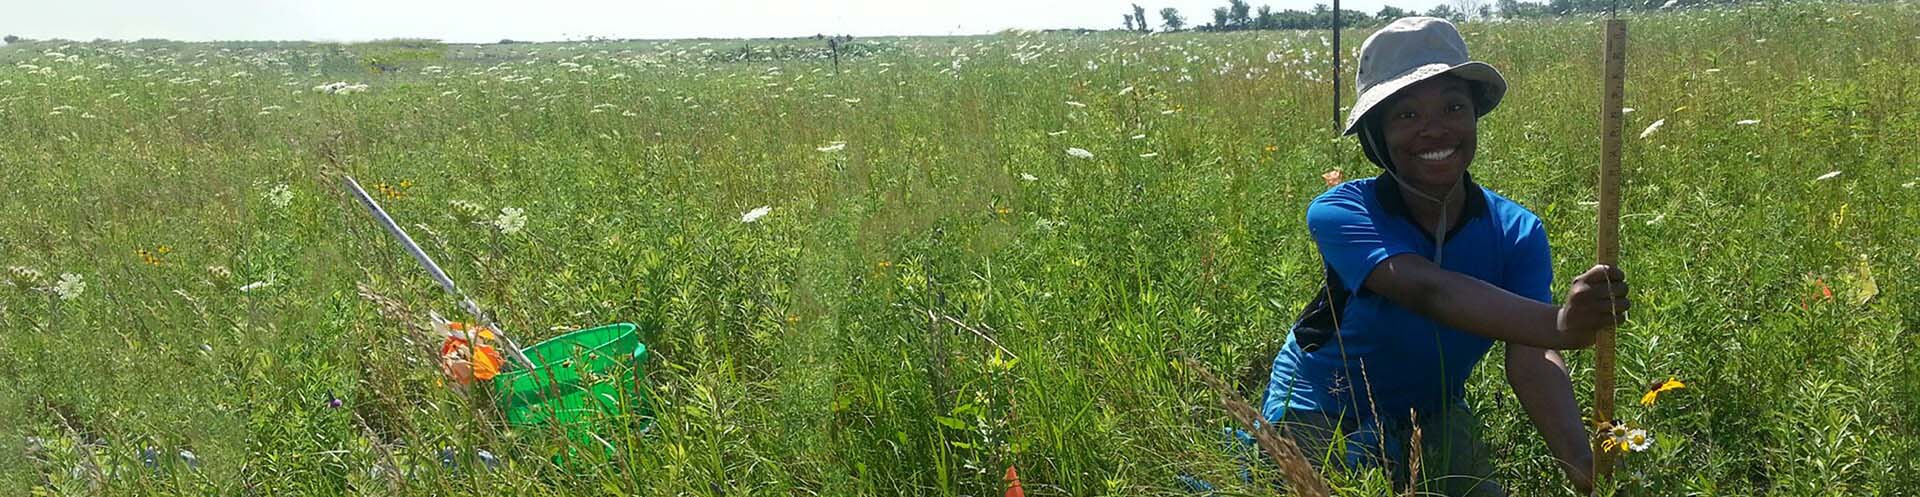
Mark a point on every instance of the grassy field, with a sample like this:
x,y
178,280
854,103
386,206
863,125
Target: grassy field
x,y
922,199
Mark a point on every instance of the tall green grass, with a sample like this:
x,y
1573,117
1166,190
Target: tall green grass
x,y
816,350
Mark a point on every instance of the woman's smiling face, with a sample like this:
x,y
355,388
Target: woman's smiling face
x,y
1430,132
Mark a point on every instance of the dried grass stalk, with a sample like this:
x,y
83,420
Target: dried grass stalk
x,y
1293,463
1414,455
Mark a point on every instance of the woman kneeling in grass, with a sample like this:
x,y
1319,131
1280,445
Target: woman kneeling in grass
x,y
1425,270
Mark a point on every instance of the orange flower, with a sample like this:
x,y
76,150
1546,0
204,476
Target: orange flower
x,y
1333,177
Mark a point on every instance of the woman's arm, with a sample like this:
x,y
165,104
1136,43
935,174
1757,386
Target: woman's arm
x,y
1539,379
1596,301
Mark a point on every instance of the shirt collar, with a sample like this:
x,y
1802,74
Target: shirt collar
x,y
1388,191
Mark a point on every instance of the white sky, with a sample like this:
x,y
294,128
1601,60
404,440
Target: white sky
x,y
543,20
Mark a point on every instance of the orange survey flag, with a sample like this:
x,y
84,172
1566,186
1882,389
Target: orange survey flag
x,y
484,365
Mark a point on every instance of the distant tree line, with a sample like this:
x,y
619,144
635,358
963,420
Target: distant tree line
x,y
1238,15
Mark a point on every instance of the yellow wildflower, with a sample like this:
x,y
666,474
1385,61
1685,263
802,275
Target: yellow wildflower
x,y
1663,387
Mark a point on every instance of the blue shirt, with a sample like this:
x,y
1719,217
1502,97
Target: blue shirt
x,y
1384,358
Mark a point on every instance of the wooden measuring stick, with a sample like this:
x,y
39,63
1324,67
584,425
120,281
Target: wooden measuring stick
x,y
1607,236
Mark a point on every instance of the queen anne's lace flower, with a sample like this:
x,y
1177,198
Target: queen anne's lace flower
x,y
756,214
511,220
70,287
280,196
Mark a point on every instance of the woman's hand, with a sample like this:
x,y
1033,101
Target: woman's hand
x,y
1597,301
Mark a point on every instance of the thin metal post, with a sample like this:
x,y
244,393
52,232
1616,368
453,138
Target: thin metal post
x,y
433,270
1337,120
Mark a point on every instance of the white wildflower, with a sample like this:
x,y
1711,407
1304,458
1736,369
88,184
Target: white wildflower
x,y
1079,153
340,88
220,271
27,274
1651,128
1828,176
470,209
511,220
1638,440
280,196
756,214
70,287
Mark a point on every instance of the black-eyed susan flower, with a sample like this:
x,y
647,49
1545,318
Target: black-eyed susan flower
x,y
1616,438
391,191
1653,393
153,257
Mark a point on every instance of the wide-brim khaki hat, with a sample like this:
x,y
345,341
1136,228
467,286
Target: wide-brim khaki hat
x,y
1409,51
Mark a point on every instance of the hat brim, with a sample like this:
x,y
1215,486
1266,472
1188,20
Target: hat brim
x,y
1492,88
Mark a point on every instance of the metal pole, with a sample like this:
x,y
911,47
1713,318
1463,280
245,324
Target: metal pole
x,y
433,270
1337,121
1607,236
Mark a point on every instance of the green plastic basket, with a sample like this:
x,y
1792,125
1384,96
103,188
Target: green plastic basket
x,y
584,382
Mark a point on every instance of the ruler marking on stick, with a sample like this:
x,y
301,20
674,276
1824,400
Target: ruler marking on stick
x,y
1607,233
